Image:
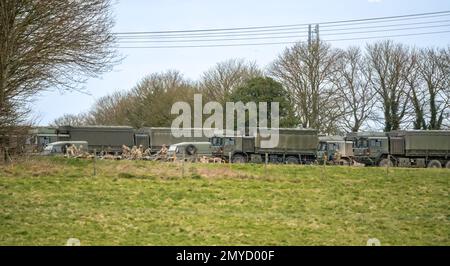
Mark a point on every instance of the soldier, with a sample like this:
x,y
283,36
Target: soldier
x,y
138,153
325,157
147,152
162,153
70,151
163,150
133,152
80,152
337,156
125,151
77,151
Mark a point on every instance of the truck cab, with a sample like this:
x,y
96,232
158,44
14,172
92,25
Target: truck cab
x,y
335,150
370,148
239,147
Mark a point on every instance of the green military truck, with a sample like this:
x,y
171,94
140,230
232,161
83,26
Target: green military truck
x,y
100,138
156,137
294,146
335,150
414,148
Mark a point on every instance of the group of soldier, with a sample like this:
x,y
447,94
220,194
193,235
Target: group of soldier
x,y
74,151
135,153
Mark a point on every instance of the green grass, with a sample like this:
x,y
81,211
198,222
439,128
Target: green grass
x,y
46,201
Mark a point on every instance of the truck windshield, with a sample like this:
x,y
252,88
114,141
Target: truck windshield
x,y
216,141
323,146
362,143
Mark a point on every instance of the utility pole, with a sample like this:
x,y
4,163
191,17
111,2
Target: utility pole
x,y
313,34
309,35
316,31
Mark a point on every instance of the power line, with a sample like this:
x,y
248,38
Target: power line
x,y
274,33
277,37
325,24
277,43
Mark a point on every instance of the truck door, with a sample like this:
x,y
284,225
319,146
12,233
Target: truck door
x,y
142,139
229,145
378,147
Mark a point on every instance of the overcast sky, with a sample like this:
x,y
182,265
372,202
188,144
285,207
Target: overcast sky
x,y
159,15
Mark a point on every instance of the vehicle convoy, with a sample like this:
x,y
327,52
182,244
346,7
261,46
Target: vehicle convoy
x,y
294,146
110,139
335,150
415,148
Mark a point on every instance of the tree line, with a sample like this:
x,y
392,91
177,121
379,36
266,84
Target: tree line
x,y
49,45
387,85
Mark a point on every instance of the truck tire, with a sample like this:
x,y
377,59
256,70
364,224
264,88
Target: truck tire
x,y
385,162
191,149
292,160
447,165
238,158
434,164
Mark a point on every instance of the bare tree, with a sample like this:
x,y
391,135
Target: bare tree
x,y
70,120
388,64
306,71
433,69
352,81
218,82
153,97
445,61
50,44
418,94
112,109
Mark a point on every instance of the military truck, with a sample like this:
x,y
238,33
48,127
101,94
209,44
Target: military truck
x,y
40,137
335,150
100,138
294,146
415,148
156,137
111,138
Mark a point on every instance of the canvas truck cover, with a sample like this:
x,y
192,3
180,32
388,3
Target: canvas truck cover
x,y
101,137
160,136
424,142
302,141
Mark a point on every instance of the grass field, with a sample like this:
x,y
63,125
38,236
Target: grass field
x,y
46,201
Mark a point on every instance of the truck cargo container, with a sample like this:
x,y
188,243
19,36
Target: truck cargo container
x,y
413,148
100,138
159,136
294,146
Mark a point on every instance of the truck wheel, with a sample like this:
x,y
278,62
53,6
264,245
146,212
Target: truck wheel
x,y
237,158
191,149
447,165
292,160
434,164
385,162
